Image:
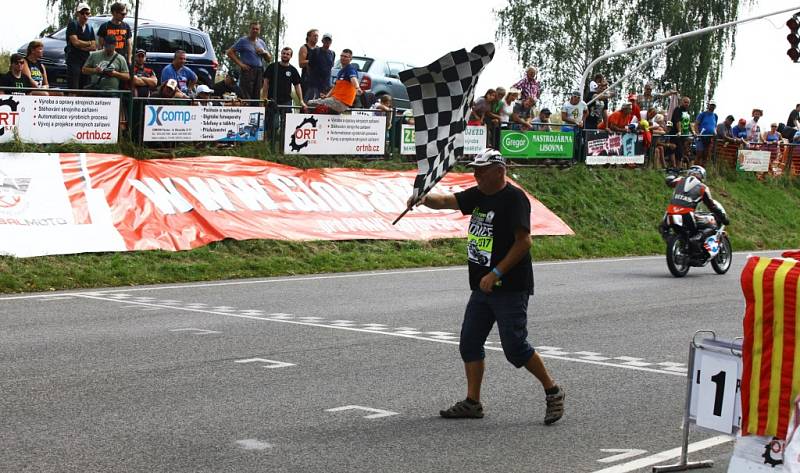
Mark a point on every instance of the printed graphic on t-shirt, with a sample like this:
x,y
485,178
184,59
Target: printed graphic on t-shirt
x,y
120,34
480,237
36,75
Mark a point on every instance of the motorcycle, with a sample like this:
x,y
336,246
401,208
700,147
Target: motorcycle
x,y
684,252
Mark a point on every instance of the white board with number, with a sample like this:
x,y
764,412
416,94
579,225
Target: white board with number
x,y
715,401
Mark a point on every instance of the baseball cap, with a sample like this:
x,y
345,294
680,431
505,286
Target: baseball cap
x,y
487,157
141,51
513,90
172,84
202,89
546,111
742,121
82,6
327,35
626,105
711,102
575,93
730,117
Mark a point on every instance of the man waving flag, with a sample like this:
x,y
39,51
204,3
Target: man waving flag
x,y
440,95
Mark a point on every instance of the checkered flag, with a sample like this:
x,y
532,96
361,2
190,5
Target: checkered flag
x,y
441,94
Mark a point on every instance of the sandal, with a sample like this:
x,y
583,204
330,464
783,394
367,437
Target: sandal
x,y
555,406
463,410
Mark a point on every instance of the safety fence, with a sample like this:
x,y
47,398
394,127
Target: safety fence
x,y
101,117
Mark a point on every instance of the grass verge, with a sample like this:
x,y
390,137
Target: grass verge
x,y
614,212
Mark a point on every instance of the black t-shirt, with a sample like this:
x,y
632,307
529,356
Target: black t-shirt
x,y
792,117
287,77
677,114
491,234
596,115
8,82
121,34
221,88
74,55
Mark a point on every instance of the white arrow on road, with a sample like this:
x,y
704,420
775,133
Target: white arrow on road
x,y
195,331
378,412
267,363
621,454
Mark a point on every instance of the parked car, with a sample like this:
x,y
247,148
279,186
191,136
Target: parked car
x,y
379,77
160,40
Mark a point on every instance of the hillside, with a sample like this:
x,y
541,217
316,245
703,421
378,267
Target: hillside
x,y
614,212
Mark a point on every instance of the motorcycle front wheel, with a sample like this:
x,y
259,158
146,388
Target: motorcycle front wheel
x,y
722,262
677,256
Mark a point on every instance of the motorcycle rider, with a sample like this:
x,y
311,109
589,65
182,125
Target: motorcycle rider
x,y
690,191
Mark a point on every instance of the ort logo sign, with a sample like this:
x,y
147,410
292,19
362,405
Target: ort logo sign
x,y
158,116
8,120
515,142
304,133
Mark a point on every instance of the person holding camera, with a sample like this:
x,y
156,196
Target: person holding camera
x,y
106,67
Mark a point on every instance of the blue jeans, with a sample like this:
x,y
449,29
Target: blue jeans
x,y
510,311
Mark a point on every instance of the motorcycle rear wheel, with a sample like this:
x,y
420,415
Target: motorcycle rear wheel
x,y
722,262
677,256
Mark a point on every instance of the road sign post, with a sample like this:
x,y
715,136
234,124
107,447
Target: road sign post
x,y
712,393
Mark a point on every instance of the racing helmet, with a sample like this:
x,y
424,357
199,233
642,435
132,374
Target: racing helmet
x,y
697,171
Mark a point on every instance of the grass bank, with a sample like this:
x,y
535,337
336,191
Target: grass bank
x,y
614,212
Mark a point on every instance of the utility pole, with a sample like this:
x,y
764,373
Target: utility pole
x,y
677,37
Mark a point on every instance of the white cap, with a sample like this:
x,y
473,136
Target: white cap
x,y
203,89
83,6
327,35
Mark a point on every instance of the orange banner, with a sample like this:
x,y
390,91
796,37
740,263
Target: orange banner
x,y
179,204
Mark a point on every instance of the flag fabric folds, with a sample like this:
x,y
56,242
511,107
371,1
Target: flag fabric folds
x,y
440,95
771,358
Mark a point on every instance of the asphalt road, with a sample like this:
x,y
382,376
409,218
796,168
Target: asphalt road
x,y
262,375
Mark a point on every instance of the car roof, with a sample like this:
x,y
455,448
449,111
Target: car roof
x,y
146,22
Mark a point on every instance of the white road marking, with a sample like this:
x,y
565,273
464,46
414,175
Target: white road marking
x,y
378,412
195,331
267,363
356,275
665,455
621,454
253,444
282,318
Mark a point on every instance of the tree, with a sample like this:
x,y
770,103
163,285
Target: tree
x,y
563,37
694,65
225,21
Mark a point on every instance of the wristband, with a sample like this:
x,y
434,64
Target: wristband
x,y
497,272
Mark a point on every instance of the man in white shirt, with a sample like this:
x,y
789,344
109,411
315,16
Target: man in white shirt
x,y
573,112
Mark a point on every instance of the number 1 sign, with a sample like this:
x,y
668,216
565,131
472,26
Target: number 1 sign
x,y
717,380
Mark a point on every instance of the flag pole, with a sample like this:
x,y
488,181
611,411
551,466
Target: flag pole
x,y
401,215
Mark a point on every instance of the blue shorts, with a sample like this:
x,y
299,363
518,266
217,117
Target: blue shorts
x,y
510,311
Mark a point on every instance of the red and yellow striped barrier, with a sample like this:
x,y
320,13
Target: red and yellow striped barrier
x,y
771,357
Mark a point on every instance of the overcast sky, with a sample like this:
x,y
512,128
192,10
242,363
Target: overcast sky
x,y
419,31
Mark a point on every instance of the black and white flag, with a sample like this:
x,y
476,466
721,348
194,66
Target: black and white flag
x,y
440,95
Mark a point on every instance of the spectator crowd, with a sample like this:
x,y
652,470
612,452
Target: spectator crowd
x,y
662,119
105,60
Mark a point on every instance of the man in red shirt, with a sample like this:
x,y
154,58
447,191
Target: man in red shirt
x,y
618,121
